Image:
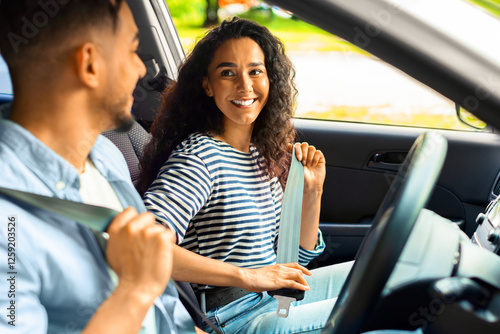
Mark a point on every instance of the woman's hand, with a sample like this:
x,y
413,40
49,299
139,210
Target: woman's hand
x,y
314,164
314,177
277,276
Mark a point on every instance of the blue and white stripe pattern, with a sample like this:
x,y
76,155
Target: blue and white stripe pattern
x,y
220,204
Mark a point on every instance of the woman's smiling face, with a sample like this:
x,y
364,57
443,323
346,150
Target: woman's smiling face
x,y
238,82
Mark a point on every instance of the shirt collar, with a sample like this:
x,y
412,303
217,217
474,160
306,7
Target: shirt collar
x,y
56,172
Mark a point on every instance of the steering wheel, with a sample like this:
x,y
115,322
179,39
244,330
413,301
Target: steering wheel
x,y
384,242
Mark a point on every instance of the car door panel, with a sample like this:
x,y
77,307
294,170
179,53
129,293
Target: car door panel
x,y
354,188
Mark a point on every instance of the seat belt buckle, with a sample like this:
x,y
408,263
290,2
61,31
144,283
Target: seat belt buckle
x,y
203,301
285,297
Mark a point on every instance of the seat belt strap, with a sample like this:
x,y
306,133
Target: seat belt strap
x,y
291,212
289,232
92,216
96,218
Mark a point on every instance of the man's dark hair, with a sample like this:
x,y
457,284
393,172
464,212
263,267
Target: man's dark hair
x,y
30,28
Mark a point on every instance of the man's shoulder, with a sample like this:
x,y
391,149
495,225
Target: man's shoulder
x,y
13,169
6,151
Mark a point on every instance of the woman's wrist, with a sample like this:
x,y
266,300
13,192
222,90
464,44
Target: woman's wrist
x,y
244,278
313,193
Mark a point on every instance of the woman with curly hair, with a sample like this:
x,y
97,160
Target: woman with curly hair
x,y
214,173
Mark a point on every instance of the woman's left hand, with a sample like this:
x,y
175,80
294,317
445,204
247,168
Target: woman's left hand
x,y
314,164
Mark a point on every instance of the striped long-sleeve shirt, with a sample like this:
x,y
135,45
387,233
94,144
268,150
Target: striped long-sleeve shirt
x,y
220,204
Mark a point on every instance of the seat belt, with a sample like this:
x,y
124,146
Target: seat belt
x,y
97,218
289,232
92,216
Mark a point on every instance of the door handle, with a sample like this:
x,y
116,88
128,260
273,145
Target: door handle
x,y
391,161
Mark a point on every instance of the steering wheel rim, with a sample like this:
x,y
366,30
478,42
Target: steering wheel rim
x,y
384,242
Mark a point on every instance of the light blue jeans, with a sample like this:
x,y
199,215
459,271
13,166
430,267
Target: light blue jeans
x,y
256,312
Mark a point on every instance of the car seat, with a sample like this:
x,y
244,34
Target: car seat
x,y
131,144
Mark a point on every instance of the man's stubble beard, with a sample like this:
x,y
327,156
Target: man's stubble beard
x,y
121,120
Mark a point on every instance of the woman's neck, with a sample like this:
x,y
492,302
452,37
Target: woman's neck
x,y
239,138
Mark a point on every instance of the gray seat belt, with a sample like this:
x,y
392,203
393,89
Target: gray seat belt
x,y
289,232
94,217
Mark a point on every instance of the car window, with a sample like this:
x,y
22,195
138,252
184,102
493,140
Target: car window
x,y
349,86
5,85
336,80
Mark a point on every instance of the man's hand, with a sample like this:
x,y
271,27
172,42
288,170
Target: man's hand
x,y
140,252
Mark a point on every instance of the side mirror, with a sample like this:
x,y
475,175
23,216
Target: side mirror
x,y
469,119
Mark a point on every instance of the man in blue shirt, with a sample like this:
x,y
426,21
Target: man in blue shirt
x,y
74,66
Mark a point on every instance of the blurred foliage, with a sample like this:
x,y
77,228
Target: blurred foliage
x,y
187,13
492,6
297,35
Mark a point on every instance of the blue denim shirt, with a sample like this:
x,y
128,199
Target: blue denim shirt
x,y
59,274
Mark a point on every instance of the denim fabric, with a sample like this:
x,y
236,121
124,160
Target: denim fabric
x,y
256,312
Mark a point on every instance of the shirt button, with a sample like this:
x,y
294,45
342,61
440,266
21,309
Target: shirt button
x,y
60,185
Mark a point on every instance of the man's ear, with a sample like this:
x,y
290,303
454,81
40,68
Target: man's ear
x,y
206,87
89,65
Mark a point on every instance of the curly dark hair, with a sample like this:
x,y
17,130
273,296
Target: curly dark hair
x,y
186,108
